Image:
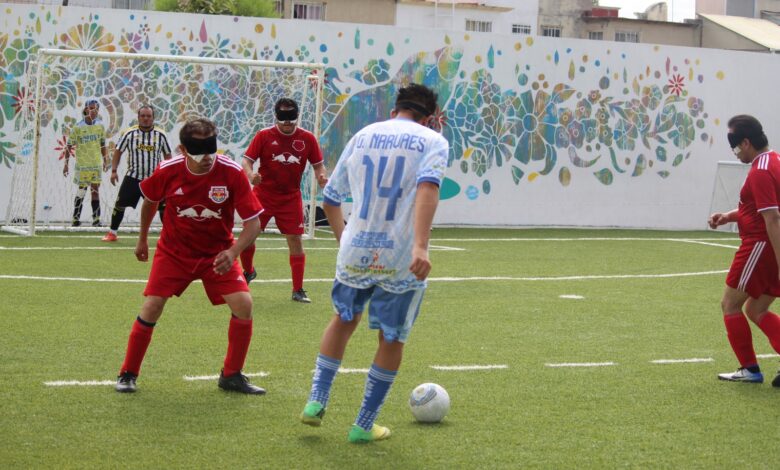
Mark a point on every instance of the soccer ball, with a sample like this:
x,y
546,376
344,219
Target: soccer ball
x,y
429,403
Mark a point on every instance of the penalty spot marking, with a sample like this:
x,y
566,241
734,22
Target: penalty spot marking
x,y
582,364
571,296
192,378
472,367
680,361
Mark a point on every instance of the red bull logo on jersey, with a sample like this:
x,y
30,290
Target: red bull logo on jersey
x,y
199,213
218,194
286,158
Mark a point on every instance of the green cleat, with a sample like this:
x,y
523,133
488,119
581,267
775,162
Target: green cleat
x,y
313,413
358,435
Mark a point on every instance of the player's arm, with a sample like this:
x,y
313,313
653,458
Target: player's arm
x,y
719,218
104,153
425,203
115,165
772,221
321,173
335,219
148,209
248,165
224,260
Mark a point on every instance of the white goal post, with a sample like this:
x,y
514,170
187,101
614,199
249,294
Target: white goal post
x,y
729,178
237,94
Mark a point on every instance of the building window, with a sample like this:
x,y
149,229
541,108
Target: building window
x,y
551,31
521,29
597,35
279,6
626,36
131,4
479,26
308,10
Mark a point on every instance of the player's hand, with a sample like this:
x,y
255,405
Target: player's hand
x,y
255,179
717,219
142,250
322,180
421,265
223,262
114,178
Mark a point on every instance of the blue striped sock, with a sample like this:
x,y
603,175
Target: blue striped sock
x,y
324,373
378,384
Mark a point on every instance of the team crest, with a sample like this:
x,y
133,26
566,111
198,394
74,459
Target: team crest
x,y
218,194
298,145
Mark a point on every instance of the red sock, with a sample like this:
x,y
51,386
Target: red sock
x,y
741,339
770,325
140,337
239,336
247,258
297,265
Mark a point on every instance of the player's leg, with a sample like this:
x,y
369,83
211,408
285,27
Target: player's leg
x,y
393,314
248,255
128,196
138,342
231,289
740,337
297,267
769,322
349,303
95,193
78,203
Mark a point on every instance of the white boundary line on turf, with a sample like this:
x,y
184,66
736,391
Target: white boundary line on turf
x,y
123,248
343,370
582,364
434,279
191,378
77,383
472,367
680,361
699,242
582,239
766,356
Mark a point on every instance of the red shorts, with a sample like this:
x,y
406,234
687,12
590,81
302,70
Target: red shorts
x,y
171,274
754,270
286,211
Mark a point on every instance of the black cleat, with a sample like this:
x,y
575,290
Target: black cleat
x,y
239,382
76,223
125,383
776,380
250,276
300,296
96,223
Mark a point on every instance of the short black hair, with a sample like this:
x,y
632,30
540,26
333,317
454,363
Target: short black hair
x,y
146,106
200,126
419,99
748,127
285,103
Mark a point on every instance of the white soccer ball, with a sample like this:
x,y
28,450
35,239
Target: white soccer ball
x,y
429,403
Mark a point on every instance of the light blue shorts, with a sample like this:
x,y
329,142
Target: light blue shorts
x,y
392,313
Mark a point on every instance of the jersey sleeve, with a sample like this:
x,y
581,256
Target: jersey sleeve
x,y
337,190
434,162
253,151
153,187
165,147
123,141
246,203
764,188
315,156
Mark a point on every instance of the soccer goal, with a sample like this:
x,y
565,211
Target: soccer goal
x,y
729,178
237,94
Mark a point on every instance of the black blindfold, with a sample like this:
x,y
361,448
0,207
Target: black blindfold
x,y
287,115
201,146
735,139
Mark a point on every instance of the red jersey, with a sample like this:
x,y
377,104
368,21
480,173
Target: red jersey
x,y
760,192
283,158
198,220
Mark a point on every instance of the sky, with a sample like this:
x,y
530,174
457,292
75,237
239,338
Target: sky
x,y
678,9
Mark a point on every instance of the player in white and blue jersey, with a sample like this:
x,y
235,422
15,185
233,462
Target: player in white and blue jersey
x,y
392,170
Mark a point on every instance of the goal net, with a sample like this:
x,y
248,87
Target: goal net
x,y
729,178
237,94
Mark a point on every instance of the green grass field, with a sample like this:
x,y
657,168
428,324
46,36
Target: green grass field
x,y
494,299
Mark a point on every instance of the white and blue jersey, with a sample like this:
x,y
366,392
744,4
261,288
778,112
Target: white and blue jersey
x,y
380,169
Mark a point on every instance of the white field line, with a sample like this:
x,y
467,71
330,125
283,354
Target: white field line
x,y
151,248
699,242
765,356
433,279
680,361
579,239
582,364
343,370
191,378
77,383
445,248
571,296
472,367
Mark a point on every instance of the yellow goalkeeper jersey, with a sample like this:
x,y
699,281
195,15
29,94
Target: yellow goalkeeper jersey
x,y
87,140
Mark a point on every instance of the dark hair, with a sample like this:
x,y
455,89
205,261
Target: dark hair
x,y
285,103
90,102
418,99
146,106
748,127
200,126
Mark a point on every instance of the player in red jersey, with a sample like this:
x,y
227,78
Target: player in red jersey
x,y
202,190
281,152
752,281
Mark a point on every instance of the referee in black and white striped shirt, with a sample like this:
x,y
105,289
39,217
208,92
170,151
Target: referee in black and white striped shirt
x,y
145,144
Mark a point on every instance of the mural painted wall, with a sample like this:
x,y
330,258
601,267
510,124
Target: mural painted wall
x,y
543,131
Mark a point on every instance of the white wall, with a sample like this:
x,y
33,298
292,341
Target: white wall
x,y
422,16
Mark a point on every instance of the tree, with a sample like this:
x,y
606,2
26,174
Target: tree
x,y
258,8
